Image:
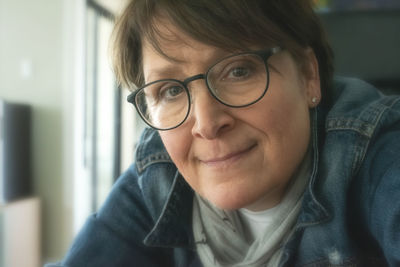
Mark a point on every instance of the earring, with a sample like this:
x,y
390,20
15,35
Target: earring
x,y
314,100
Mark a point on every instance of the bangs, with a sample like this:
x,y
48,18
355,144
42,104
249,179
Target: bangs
x,y
212,24
230,25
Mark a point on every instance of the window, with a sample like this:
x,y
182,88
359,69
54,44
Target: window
x,y
102,116
111,126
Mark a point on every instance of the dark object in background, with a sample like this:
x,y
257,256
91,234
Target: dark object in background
x,y
366,45
15,163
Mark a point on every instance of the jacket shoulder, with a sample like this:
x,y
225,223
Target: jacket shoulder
x,y
376,191
361,107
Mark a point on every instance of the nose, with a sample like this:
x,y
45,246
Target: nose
x,y
211,118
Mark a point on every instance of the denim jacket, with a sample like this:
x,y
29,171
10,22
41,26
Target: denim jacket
x,y
350,213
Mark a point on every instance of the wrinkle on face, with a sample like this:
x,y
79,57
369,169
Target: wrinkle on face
x,y
244,157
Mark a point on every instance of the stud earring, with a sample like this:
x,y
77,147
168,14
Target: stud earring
x,y
314,100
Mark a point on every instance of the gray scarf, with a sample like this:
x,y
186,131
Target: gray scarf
x,y
220,235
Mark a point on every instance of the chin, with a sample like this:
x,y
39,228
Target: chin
x,y
230,195
230,202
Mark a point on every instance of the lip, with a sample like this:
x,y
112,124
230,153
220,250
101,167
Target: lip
x,y
231,157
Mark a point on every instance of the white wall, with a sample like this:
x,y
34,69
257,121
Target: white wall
x,y
41,63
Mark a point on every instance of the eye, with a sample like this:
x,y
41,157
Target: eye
x,y
170,92
239,72
237,69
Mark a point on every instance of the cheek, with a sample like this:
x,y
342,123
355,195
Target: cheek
x,y
285,125
281,118
289,106
178,143
175,149
293,125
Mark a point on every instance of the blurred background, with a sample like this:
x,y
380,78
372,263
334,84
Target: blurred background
x,y
66,131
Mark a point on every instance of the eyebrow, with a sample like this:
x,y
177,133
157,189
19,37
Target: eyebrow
x,y
164,72
175,67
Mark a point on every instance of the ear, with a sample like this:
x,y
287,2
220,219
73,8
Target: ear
x,y
312,80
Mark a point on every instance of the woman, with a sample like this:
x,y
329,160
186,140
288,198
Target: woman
x,y
254,156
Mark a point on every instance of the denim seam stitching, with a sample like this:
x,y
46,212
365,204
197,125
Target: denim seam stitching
x,y
140,149
150,238
385,105
159,157
354,124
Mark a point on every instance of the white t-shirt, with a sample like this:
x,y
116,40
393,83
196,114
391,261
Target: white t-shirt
x,y
256,222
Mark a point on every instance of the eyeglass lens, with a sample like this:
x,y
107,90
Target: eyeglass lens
x,y
235,81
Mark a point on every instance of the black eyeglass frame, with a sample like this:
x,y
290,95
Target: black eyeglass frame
x,y
264,54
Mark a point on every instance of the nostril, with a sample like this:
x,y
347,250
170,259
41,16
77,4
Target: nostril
x,y
211,120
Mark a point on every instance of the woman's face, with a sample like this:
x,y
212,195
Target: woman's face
x,y
237,157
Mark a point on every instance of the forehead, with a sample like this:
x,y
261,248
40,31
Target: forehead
x,y
179,55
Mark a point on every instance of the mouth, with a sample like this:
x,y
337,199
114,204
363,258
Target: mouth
x,y
229,158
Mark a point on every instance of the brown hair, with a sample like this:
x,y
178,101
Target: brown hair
x,y
228,24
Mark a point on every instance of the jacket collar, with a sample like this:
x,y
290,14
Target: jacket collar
x,y
313,211
173,227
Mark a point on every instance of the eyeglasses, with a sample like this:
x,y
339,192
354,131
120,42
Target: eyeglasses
x,y
236,81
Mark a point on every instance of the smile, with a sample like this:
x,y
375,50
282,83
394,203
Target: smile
x,y
228,159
